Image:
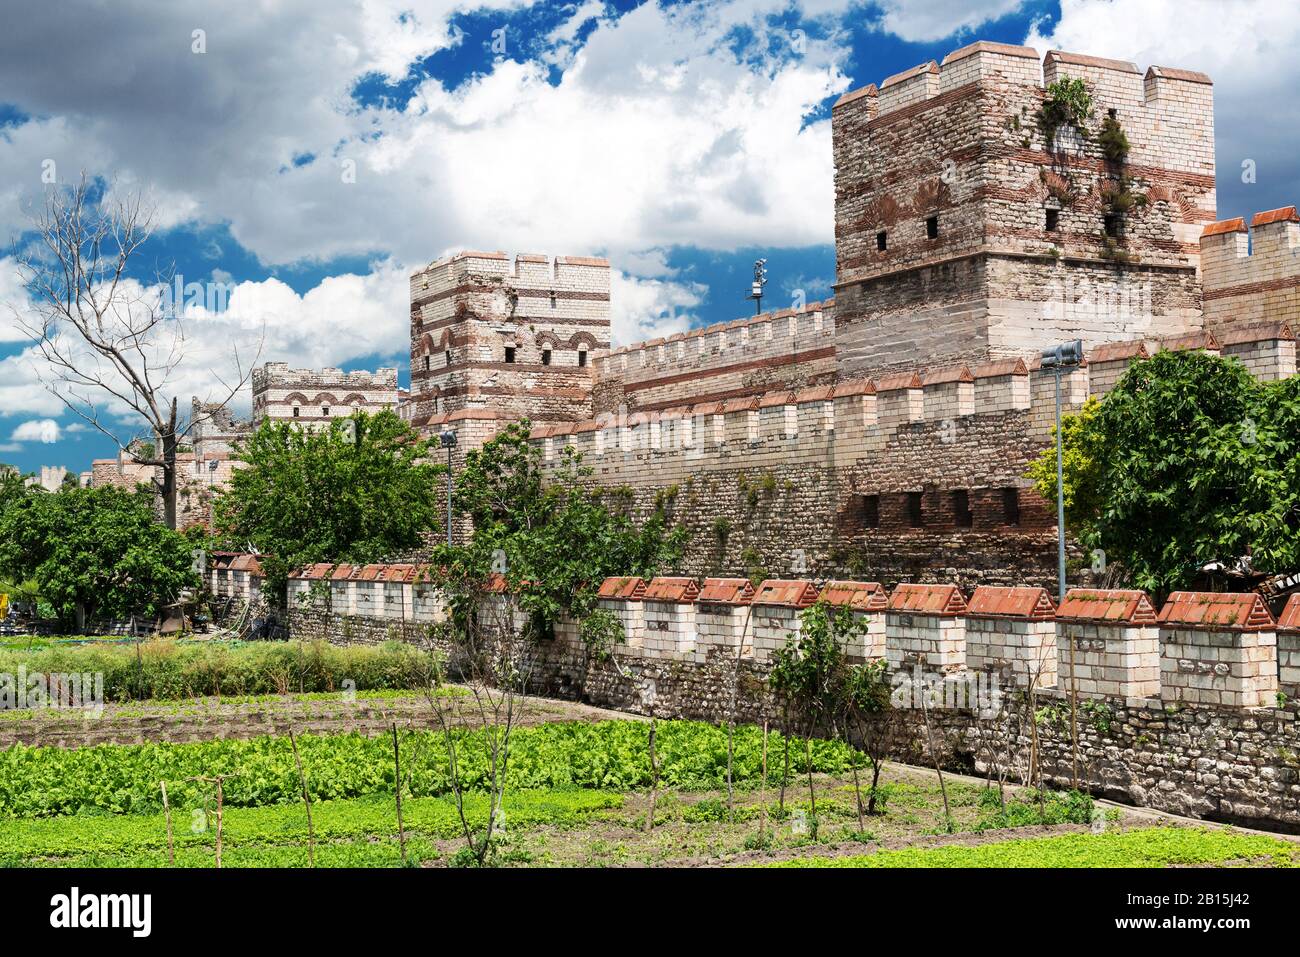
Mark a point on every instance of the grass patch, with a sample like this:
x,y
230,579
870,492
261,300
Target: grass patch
x,y
173,669
1147,847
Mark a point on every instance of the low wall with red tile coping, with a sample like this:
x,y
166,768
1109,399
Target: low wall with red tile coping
x,y
1217,761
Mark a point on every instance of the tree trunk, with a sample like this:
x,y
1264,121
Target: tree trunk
x,y
167,485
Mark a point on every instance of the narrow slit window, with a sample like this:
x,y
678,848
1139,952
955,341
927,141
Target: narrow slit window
x,y
963,517
870,511
932,228
1011,506
510,353
915,513
546,357
582,357
882,241
1053,220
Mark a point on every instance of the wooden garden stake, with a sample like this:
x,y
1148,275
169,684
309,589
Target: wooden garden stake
x,y
397,777
654,771
311,835
762,800
171,850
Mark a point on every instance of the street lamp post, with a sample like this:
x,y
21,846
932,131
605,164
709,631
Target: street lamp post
x,y
1066,356
447,439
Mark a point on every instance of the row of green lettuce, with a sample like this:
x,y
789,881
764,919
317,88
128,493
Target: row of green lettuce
x,y
606,755
357,832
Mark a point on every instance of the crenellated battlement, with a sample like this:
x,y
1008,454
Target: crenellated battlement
x,y
970,228
1252,274
311,397
788,347
279,375
1162,90
839,425
559,272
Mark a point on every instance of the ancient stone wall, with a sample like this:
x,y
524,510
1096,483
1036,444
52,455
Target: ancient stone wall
x,y
964,231
1176,750
1252,276
516,337
787,349
312,397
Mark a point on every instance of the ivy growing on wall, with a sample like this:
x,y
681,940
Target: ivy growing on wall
x,y
1068,102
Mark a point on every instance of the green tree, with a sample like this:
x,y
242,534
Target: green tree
x,y
809,674
94,553
1081,457
1187,460
554,541
359,490
868,701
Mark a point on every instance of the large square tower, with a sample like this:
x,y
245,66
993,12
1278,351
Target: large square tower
x,y
968,227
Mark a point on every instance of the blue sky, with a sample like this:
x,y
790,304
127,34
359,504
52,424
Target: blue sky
x,y
681,140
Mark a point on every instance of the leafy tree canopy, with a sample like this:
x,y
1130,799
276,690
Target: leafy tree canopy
x,y
554,541
1187,460
359,490
98,550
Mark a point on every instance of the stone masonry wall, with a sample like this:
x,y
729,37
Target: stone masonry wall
x,y
787,349
943,186
1221,763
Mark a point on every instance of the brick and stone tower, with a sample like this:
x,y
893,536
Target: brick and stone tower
x,y
496,339
962,234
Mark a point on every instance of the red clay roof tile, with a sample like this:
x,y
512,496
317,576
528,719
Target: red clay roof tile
x,y
727,591
1116,351
770,400
682,591
859,596
993,601
1190,341
1224,226
1101,604
1170,73
1240,333
316,572
930,67
246,563
1217,611
1000,367
1289,620
627,587
1082,59
1286,214
786,592
853,387
948,374
819,393
900,380
928,599
989,46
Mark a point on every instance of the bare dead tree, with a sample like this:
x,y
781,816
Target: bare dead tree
x,y
112,350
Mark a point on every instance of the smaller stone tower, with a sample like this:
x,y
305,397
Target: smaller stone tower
x,y
497,339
